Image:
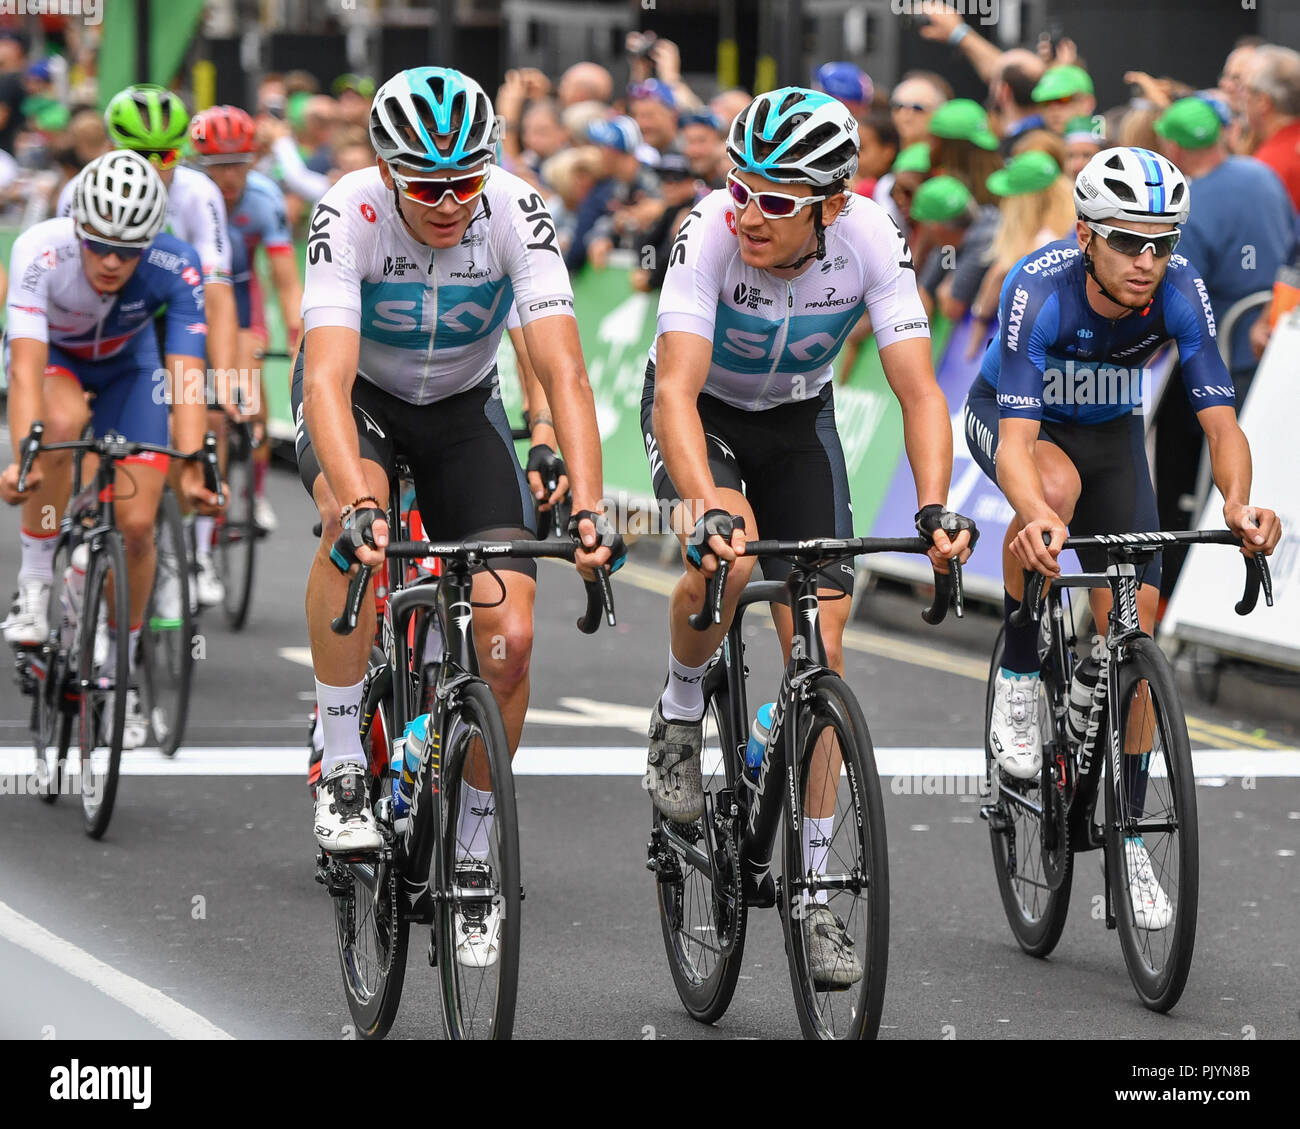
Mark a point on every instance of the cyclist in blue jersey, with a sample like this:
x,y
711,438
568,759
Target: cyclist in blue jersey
x,y
224,140
1055,415
83,291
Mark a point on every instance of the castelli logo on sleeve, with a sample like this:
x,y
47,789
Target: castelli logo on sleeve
x,y
368,212
730,217
190,276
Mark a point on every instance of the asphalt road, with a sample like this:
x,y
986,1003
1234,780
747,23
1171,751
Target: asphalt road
x,y
199,912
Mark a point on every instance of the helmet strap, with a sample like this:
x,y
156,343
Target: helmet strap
x,y
820,231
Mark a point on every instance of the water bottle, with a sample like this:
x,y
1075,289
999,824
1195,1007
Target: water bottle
x,y
74,583
407,752
758,739
1082,684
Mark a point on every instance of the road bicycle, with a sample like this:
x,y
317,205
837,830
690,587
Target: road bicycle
x,y
818,757
1129,730
451,862
65,675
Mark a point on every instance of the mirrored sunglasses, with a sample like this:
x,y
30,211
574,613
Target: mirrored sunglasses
x,y
772,205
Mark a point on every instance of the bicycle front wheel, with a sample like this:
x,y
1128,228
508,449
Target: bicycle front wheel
x,y
835,865
103,683
702,912
1032,858
166,644
1152,850
237,533
475,877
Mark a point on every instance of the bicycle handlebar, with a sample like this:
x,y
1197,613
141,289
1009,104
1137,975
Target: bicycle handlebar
x,y
1257,570
600,594
114,447
948,590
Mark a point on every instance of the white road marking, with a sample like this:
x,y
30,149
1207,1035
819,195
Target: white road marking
x,y
17,762
299,655
162,1011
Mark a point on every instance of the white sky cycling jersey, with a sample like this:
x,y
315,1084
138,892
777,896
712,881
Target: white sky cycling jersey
x,y
774,340
430,321
196,214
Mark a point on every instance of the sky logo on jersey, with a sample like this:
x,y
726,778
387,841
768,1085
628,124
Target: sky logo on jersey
x,y
470,313
1019,300
746,344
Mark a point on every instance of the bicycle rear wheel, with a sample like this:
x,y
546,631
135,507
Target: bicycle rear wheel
x,y
166,644
103,690
237,533
1158,827
704,922
839,994
475,875
1032,858
372,936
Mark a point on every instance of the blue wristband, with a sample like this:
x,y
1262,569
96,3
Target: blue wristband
x,y
958,34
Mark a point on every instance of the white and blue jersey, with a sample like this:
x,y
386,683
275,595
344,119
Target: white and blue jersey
x,y
1055,358
258,219
430,320
774,339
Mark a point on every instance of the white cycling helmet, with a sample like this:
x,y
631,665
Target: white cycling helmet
x,y
119,198
1132,184
433,119
795,136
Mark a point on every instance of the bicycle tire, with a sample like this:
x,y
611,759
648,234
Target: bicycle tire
x,y
1159,988
832,706
374,1004
1037,925
167,644
99,788
475,711
237,533
51,718
707,993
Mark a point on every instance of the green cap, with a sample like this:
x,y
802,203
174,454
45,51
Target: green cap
x,y
962,119
1085,129
1062,82
1031,171
1191,123
357,83
147,116
915,158
295,111
941,199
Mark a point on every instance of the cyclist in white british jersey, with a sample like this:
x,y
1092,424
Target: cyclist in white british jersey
x,y
154,122
765,281
411,271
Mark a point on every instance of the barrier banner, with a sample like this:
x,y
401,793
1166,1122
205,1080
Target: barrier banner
x,y
1201,608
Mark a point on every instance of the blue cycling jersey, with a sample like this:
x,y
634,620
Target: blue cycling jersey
x,y
1055,358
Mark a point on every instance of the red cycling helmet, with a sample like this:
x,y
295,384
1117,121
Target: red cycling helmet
x,y
222,131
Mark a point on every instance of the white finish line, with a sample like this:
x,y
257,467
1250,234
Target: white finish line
x,y
603,760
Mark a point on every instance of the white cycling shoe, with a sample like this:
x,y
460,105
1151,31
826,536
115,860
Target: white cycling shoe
x,y
478,924
28,624
344,821
211,591
263,515
1013,733
1152,909
135,726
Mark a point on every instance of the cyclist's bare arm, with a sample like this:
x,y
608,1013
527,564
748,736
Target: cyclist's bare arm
x,y
541,424
927,433
1023,486
189,424
329,370
681,369
556,353
27,360
223,326
1230,461
288,289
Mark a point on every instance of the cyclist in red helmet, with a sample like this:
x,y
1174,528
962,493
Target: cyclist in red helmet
x,y
223,139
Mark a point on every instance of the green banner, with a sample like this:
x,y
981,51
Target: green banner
x,y
172,25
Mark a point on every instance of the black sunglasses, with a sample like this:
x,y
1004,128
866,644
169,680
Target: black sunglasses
x,y
103,250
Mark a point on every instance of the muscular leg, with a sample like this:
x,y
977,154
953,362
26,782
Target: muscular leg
x,y
137,492
66,415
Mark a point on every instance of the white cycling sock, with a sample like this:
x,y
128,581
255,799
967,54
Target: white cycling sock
x,y
204,527
38,556
683,697
816,846
340,712
133,648
474,827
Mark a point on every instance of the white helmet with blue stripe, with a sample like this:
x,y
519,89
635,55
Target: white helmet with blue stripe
x,y
431,119
1132,184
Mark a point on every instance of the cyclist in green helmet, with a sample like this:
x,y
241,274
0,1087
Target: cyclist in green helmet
x,y
154,122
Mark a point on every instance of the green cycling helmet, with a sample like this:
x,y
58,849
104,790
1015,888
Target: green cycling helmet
x,y
146,116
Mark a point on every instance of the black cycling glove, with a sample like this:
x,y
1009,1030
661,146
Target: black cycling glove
x,y
717,522
934,516
607,535
357,530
